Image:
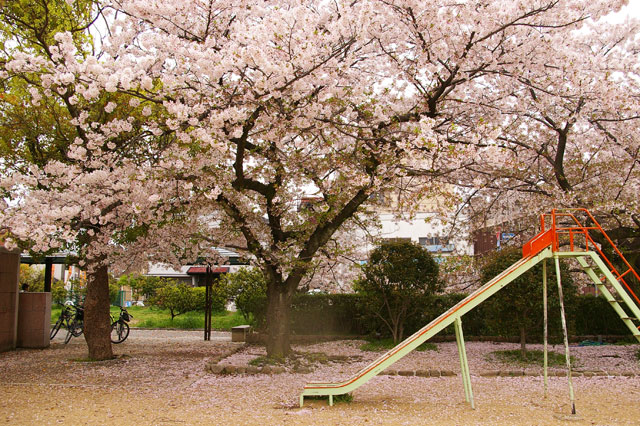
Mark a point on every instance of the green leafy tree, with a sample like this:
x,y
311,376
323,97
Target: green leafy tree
x,y
46,126
396,280
178,298
143,285
219,297
247,288
58,293
518,308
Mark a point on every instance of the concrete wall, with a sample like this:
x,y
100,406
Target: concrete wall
x,y
9,270
34,320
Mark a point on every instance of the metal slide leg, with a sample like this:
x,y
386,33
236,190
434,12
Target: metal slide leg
x,y
301,400
464,363
546,328
330,400
566,337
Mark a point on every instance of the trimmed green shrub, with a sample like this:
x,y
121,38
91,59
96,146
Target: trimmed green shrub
x,y
336,314
327,314
594,315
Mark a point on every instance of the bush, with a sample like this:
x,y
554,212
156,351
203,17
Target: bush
x,y
398,279
335,314
327,314
596,316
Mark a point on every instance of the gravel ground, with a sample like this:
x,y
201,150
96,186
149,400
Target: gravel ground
x,y
158,378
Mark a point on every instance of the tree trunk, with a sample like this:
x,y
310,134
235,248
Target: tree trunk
x,y
523,342
97,322
278,319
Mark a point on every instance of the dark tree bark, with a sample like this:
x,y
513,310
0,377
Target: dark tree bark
x,y
278,321
97,321
523,341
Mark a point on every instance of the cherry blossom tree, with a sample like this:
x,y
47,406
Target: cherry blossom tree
x,y
213,120
78,171
571,138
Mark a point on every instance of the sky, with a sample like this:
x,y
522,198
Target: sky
x,y
633,9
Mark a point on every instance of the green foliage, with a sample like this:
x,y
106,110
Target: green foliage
x,y
218,297
517,310
337,399
114,293
327,314
397,279
37,132
343,398
248,289
535,357
333,314
32,24
318,314
177,298
77,291
262,361
143,285
376,345
596,316
31,278
58,293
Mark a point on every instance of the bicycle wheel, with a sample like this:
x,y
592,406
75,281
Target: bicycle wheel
x,y
55,328
119,331
69,334
78,328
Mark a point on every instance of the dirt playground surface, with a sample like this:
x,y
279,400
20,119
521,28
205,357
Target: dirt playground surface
x,y
159,378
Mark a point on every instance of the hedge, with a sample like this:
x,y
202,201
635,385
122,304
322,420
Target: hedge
x,y
342,314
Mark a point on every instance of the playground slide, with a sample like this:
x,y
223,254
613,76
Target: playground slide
x,y
429,330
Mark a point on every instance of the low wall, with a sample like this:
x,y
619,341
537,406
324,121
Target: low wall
x,y
34,320
9,270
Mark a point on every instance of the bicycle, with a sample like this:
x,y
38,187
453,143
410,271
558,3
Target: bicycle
x,y
119,327
76,327
64,320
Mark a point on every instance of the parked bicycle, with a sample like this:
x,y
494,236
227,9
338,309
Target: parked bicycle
x,y
66,315
76,326
119,327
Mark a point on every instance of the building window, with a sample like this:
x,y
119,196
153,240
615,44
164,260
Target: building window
x,y
432,241
436,244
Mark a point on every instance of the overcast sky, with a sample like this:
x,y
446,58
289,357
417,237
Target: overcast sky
x,y
633,9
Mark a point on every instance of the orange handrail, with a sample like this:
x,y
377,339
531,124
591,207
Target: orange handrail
x,y
551,236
